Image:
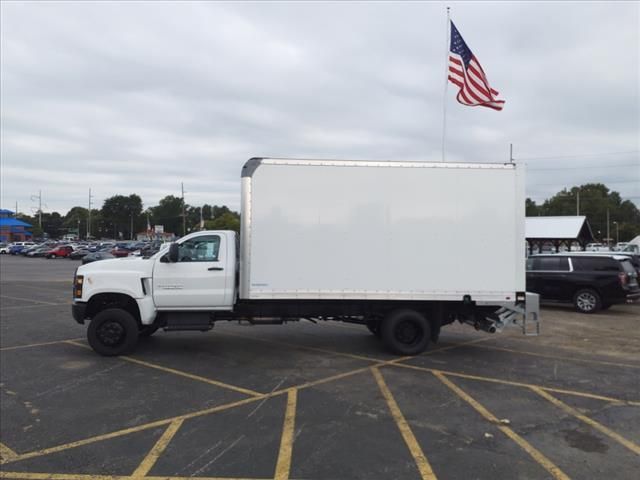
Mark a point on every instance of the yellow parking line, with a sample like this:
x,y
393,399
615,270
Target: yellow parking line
x,y
137,428
543,461
421,461
517,384
283,466
191,376
635,448
58,476
198,413
557,357
6,453
28,300
301,347
75,476
152,457
3,349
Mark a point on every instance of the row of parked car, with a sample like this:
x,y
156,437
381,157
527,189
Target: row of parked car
x,y
85,251
592,281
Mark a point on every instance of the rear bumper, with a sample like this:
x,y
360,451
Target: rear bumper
x,y
78,311
633,297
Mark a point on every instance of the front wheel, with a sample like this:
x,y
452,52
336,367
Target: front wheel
x,y
113,332
406,332
587,301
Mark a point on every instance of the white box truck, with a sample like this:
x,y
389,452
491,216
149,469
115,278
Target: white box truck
x,y
403,248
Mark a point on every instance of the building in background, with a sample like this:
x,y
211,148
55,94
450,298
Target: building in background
x,y
549,234
12,229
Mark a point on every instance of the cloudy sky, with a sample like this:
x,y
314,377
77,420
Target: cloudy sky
x,y
139,97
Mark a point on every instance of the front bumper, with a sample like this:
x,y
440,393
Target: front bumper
x,y
78,311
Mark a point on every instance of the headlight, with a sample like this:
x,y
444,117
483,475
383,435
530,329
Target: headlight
x,y
78,282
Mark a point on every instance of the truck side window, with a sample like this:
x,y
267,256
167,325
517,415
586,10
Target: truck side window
x,y
200,249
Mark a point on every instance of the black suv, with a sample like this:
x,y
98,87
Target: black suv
x,y
590,282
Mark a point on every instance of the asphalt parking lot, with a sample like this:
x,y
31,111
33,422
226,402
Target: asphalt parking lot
x,y
312,401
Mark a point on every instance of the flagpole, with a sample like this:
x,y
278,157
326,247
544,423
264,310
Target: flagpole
x,y
446,84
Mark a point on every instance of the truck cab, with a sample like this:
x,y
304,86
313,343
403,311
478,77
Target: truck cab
x,y
176,288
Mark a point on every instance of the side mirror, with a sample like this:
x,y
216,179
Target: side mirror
x,y
173,252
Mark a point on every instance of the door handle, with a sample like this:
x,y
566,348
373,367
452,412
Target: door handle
x,y
215,268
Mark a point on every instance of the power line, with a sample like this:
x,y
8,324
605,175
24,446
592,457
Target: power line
x,y
605,154
607,182
582,167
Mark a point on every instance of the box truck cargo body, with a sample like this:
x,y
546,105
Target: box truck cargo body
x,y
401,247
382,230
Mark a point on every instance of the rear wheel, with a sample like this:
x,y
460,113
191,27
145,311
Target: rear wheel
x,y
113,332
406,332
587,301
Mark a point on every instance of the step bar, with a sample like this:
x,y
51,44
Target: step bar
x,y
525,316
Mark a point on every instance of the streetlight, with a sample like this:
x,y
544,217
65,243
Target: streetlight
x,y
617,233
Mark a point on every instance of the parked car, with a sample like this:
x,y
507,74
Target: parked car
x,y
590,282
38,252
95,256
17,247
79,253
26,250
4,248
634,258
597,247
62,251
120,252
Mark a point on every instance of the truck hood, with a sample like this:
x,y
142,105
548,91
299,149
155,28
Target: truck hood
x,y
142,267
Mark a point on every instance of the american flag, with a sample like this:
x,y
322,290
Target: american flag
x,y
466,73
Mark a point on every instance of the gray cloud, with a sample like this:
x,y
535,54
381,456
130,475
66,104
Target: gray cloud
x,y
138,97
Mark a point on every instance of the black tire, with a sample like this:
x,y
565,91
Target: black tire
x,y
406,332
374,327
113,332
145,331
587,301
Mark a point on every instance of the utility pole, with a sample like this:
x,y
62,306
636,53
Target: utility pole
x,y
577,202
184,215
16,213
511,152
607,227
201,219
89,219
39,198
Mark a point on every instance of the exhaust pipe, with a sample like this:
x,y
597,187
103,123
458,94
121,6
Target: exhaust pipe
x,y
484,324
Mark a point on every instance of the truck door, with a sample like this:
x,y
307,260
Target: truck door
x,y
200,278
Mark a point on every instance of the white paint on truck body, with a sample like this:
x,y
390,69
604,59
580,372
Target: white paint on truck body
x,y
314,229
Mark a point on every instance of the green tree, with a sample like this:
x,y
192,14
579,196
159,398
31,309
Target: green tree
x,y
75,219
531,209
227,221
168,213
52,225
595,200
122,213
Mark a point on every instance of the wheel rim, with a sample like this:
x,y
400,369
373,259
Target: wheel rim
x,y
586,301
111,333
408,332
